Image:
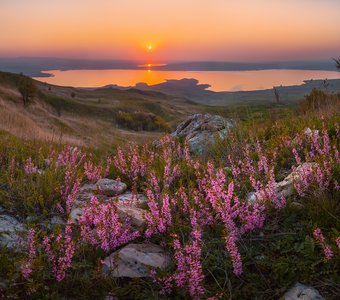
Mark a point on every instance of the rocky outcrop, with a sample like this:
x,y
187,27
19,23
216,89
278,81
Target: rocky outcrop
x,y
136,260
201,130
302,292
9,228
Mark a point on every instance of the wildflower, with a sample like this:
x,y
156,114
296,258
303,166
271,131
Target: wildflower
x,y
29,167
27,266
60,250
318,236
101,226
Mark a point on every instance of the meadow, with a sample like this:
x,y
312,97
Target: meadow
x,y
221,244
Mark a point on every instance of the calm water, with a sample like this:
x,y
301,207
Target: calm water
x,y
219,80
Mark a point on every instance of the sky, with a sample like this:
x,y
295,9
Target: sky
x,y
238,30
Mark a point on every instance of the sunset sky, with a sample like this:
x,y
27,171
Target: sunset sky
x,y
175,29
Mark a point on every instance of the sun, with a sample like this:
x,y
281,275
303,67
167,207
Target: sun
x,y
149,47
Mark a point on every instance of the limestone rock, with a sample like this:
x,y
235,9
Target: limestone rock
x,y
201,130
286,186
136,260
106,186
130,197
134,214
9,227
302,292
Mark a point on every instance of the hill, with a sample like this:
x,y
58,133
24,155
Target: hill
x,y
83,117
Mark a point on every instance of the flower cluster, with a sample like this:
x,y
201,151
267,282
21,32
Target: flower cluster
x,y
29,167
101,226
318,236
27,266
60,249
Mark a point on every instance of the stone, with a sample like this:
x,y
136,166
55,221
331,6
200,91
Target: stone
x,y
202,130
285,187
310,133
106,186
134,214
136,260
56,220
9,229
76,214
302,292
130,197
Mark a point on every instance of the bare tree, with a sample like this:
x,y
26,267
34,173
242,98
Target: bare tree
x,y
277,95
337,62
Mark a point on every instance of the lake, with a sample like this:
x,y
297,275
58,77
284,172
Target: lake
x,y
219,80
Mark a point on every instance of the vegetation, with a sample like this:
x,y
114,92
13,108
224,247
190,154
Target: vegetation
x,y
27,89
222,245
140,121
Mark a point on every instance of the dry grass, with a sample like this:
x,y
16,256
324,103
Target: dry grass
x,y
40,122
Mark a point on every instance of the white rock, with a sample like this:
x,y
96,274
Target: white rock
x,y
9,228
286,186
302,292
136,260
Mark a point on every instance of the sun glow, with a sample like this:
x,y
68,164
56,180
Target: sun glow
x,y
149,47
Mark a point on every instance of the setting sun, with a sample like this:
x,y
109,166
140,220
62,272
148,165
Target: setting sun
x,y
149,47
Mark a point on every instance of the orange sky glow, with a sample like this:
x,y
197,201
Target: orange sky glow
x,y
161,30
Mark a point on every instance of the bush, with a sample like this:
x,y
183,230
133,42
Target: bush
x,y
140,121
319,101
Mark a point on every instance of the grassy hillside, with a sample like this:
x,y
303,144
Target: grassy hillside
x,y
221,245
83,117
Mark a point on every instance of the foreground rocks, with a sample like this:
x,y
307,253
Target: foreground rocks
x,y
107,190
302,292
285,187
202,130
9,229
136,260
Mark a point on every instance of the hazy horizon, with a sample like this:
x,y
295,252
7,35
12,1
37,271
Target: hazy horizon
x,y
154,31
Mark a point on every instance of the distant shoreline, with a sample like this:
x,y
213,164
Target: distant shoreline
x,y
35,67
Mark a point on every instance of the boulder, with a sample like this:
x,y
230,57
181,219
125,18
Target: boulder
x,y
106,186
136,260
201,130
110,187
9,228
302,292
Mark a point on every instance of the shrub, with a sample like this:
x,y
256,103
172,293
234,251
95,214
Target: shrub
x,y
140,121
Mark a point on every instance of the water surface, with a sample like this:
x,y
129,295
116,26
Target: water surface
x,y
219,80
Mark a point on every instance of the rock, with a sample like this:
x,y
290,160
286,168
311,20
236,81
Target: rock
x,y
9,227
106,186
285,187
302,292
75,214
56,220
129,197
135,214
310,133
201,130
136,260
